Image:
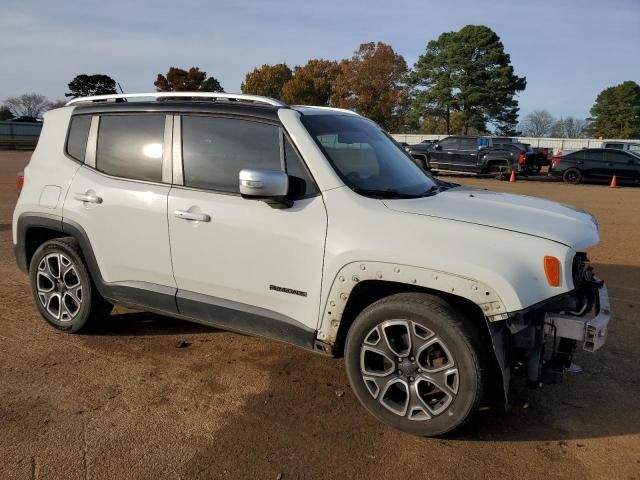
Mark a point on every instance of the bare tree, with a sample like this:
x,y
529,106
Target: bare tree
x,y
569,127
28,105
537,124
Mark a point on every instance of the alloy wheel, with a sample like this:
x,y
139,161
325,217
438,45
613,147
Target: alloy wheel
x,y
409,369
59,287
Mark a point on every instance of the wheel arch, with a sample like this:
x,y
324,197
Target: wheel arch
x,y
36,228
359,284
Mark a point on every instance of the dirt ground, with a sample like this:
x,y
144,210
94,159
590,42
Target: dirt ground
x,y
126,403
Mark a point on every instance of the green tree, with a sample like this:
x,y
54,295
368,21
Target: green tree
x,y
267,80
616,113
312,84
372,83
192,80
5,113
88,85
468,72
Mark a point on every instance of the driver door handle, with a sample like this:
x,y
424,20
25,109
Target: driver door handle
x,y
193,216
86,198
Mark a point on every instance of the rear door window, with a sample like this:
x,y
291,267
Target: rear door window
x,y
130,146
593,156
78,134
468,144
215,149
574,156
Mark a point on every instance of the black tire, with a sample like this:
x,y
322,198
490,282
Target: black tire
x,y
73,304
572,175
461,341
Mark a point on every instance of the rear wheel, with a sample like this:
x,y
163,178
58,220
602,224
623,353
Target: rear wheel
x,y
572,175
62,288
416,363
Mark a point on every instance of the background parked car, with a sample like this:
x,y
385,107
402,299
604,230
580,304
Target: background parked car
x,y
471,155
596,164
627,146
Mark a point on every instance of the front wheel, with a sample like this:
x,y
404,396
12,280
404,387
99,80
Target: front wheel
x,y
416,363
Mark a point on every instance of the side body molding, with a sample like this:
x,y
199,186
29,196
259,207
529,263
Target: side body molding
x,y
353,273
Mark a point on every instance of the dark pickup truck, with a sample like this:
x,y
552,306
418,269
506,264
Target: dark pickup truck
x,y
471,155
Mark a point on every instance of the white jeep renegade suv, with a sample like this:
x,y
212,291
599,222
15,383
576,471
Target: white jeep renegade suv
x,y
311,226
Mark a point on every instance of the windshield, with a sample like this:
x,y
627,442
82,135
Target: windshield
x,y
368,160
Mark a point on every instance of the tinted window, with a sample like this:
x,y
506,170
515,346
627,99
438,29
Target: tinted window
x,y
575,156
130,146
300,182
614,145
214,150
593,155
468,144
78,134
450,143
617,157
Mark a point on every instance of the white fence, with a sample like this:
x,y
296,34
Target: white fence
x,y
555,143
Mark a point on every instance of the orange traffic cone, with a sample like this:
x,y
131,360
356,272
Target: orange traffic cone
x,y
512,178
614,182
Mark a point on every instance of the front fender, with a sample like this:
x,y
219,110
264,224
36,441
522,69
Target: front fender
x,y
352,273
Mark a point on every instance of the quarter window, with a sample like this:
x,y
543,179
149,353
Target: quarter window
x,y
215,149
130,146
300,182
78,134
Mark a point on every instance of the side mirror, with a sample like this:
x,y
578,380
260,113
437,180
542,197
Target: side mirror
x,y
437,146
272,186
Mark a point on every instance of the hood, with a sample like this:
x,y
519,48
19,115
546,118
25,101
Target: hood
x,y
518,213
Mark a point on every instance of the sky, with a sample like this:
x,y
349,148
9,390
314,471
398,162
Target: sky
x,y
568,50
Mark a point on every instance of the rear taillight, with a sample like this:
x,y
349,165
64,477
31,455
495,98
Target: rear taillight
x,y
20,183
522,158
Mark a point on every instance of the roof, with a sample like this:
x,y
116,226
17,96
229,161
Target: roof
x,y
192,102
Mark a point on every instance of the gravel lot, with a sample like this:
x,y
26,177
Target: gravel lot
x,y
126,403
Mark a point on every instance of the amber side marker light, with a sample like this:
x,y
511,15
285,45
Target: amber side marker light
x,y
552,270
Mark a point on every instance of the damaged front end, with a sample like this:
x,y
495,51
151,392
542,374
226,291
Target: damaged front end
x,y
538,344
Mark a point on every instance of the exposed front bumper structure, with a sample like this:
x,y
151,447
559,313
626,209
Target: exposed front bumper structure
x,y
590,331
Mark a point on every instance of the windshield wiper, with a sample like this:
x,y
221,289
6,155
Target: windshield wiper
x,y
388,193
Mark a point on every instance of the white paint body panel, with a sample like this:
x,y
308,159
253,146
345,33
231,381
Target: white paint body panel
x,y
248,246
128,230
48,166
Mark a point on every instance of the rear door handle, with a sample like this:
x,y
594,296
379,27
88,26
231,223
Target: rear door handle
x,y
193,216
86,198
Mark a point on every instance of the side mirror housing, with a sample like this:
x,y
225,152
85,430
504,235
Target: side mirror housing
x,y
437,146
271,186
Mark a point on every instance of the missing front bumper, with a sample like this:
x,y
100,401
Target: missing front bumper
x,y
590,331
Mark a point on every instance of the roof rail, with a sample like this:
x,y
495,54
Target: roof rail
x,y
330,109
203,95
